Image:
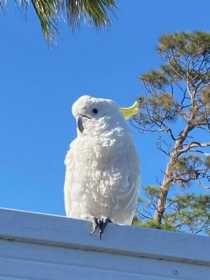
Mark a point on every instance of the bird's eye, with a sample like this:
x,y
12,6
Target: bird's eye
x,y
95,111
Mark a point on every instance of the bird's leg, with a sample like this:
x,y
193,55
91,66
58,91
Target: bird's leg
x,y
95,225
99,225
102,223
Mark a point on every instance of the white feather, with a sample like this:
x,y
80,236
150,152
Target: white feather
x,y
102,167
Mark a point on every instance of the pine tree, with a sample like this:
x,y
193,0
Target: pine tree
x,y
177,106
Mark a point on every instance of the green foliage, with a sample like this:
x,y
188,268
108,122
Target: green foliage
x,y
187,56
50,11
94,10
188,212
190,167
156,78
185,44
177,107
154,224
205,96
208,161
46,12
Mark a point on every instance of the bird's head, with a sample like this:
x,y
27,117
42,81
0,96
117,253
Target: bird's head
x,y
96,114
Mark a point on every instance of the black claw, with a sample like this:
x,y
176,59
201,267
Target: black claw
x,y
102,225
99,225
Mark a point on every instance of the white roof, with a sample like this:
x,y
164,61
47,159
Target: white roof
x,y
39,246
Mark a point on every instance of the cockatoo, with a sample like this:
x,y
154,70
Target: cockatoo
x,y
102,166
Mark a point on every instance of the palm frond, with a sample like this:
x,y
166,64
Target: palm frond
x,y
96,11
48,12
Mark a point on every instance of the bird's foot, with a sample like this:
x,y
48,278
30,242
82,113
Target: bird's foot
x,y
102,225
94,226
99,225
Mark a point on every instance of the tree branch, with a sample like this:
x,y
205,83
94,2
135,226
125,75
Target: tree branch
x,y
194,145
168,177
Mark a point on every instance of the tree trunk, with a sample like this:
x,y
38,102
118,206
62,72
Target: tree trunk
x,y
168,177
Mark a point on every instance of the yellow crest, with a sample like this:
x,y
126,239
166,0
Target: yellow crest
x,y
129,112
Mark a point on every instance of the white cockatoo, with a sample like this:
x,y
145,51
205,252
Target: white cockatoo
x,y
102,166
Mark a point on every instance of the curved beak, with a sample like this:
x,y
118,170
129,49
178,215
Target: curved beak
x,y
80,124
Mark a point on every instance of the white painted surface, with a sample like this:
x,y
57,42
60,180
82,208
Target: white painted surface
x,y
43,247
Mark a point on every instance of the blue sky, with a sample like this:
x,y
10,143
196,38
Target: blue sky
x,y
39,85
